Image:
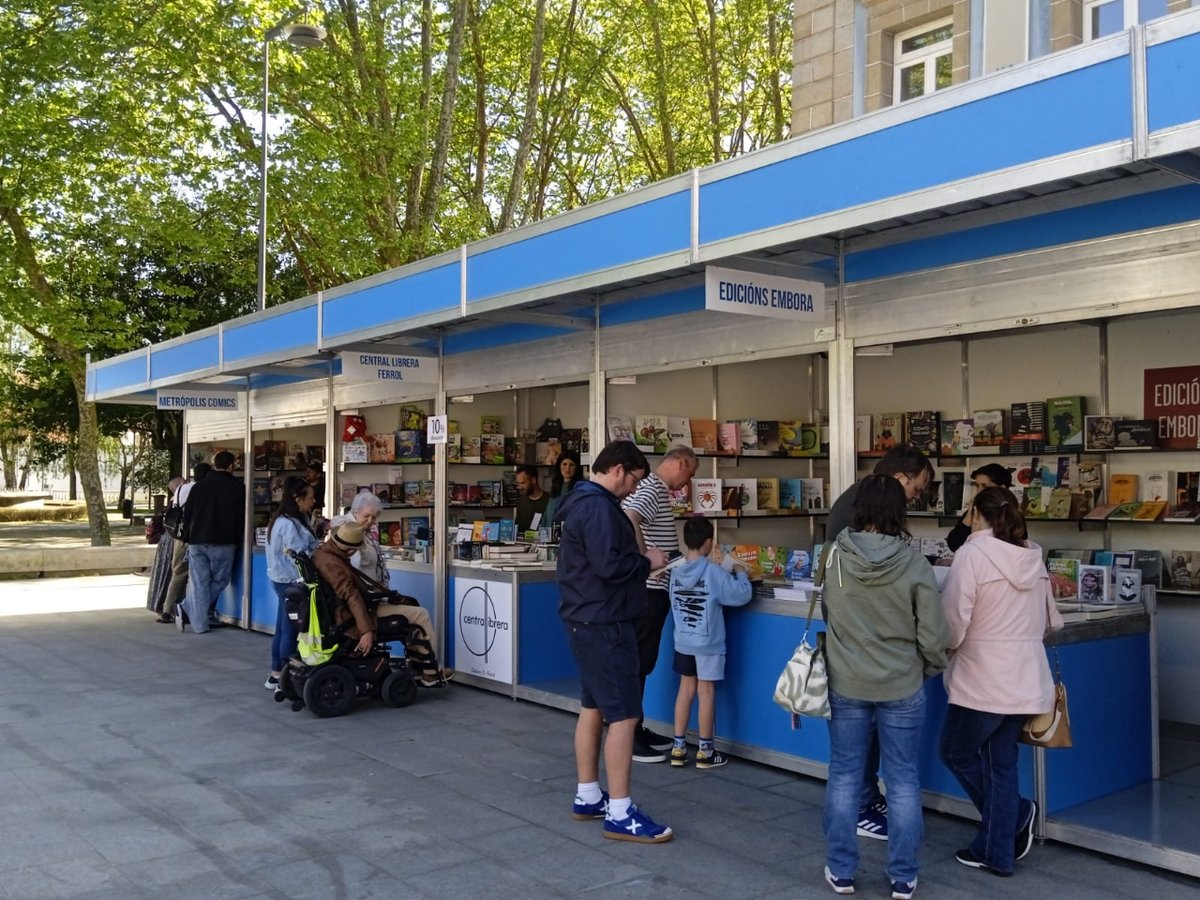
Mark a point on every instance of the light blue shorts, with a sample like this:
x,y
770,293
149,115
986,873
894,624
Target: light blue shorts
x,y
706,667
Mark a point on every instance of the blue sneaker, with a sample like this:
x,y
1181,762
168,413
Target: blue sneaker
x,y
872,821
637,826
903,890
581,812
839,885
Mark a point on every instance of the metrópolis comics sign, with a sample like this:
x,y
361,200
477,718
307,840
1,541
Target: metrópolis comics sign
x,y
1172,399
754,294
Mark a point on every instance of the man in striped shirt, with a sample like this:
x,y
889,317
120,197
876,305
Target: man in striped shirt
x,y
649,508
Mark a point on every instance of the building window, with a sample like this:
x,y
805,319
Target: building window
x,y
923,61
1104,17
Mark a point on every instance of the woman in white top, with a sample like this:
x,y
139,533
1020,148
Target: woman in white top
x,y
998,609
369,560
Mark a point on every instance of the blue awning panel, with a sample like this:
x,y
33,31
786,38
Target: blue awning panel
x,y
123,375
390,303
1173,82
195,355
252,338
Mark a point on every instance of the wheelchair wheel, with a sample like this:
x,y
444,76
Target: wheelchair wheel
x,y
329,691
399,689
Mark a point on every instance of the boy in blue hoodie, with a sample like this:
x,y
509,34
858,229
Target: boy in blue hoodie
x,y
699,588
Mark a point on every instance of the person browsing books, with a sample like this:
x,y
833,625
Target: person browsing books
x,y
699,588
649,509
999,608
912,469
290,528
568,472
533,500
365,510
602,590
991,475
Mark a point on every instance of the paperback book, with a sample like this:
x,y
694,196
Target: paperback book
x,y
952,492
383,448
1064,416
1064,578
355,451
706,495
887,430
1094,585
791,493
1122,488
747,489
747,434
958,437
620,428
471,448
679,432
1099,433
704,434
1127,585
651,433
923,430
1027,426
768,436
1135,434
989,428
1184,570
410,445
728,437
1156,485
768,493
491,448
813,492
491,425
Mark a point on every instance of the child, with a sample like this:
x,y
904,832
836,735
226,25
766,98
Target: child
x,y
699,588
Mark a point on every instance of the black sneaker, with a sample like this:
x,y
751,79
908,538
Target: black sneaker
x,y
968,858
1025,833
710,760
645,754
872,821
653,739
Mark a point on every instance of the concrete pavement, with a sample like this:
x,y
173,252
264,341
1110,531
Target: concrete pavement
x,y
136,762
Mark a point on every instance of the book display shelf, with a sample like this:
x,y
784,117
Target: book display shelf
x,y
278,453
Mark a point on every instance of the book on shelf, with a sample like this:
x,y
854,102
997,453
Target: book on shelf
x,y
772,561
491,449
479,529
383,447
452,427
1125,510
1089,476
1183,512
410,493
800,438
474,494
574,439
1095,584
935,548
813,492
486,497
355,451
704,434
472,448
412,417
650,432
768,436
1083,556
1033,501
508,530
1183,570
680,500
791,493
748,492
679,432
800,563
276,454
1156,485
346,492
1150,564
1082,503
383,492
746,556
1064,419
547,452
887,430
410,446
1027,426
1135,434
958,437
1150,510
297,457
706,494
952,492
1100,511
458,493
989,429
1187,487
620,428
1059,504
391,534
862,434
315,453
747,434
923,431
1099,433
731,496
454,448
729,436
768,493
491,425
1127,585
508,487
262,491
1064,578
1122,488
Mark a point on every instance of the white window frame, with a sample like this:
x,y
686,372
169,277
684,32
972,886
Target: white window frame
x,y
928,55
1089,5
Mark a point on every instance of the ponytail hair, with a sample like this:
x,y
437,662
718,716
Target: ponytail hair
x,y
1002,512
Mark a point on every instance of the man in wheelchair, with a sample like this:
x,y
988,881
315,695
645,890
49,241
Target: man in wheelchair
x,y
395,616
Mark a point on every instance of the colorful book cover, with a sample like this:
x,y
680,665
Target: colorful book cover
x,y
412,417
813,492
1089,477
491,531
1099,433
1183,512
989,427
1082,503
491,449
491,425
1027,426
704,434
1064,418
1187,487
572,439
454,448
748,492
1135,434
772,561
547,452
1127,585
508,531
409,446
1033,503
1094,585
262,491
297,459
1125,510
485,494
747,557
1151,510
471,449
355,451
1064,578
651,433
620,428
799,564
383,492
791,493
748,434
706,494
478,529
458,493
958,437
810,439
1059,505
1122,488
923,430
768,493
1101,511
383,447
410,493
427,492
887,430
729,437
768,436
474,495
392,533
680,500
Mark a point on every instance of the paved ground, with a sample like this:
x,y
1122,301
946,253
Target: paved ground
x,y
21,535
136,762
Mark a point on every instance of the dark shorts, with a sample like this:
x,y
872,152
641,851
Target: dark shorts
x,y
707,668
607,656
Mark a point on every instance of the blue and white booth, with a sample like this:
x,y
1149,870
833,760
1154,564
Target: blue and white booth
x,y
1029,234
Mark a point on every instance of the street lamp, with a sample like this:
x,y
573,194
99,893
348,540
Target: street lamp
x,y
302,36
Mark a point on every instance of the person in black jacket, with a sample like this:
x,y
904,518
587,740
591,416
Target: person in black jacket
x,y
991,475
601,584
213,527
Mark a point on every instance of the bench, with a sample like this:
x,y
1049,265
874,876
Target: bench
x,y
40,561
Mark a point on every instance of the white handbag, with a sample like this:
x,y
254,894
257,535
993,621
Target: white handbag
x,y
803,685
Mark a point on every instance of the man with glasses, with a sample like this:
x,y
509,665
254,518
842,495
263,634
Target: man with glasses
x,y
912,469
649,509
601,585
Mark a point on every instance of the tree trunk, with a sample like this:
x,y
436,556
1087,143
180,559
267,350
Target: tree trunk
x,y
8,453
662,104
87,454
412,210
445,129
525,139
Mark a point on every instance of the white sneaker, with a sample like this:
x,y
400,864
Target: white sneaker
x,y
272,683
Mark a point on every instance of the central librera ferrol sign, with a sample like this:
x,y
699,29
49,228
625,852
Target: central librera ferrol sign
x,y
483,635
753,294
226,401
389,367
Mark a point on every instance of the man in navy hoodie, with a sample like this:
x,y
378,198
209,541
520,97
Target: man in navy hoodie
x,y
601,585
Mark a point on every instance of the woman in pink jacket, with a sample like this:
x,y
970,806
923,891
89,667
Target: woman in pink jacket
x,y
998,609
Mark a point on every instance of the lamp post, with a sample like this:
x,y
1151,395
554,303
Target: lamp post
x,y
303,37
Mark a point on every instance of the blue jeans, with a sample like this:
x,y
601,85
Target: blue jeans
x,y
209,569
283,644
898,724
980,749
